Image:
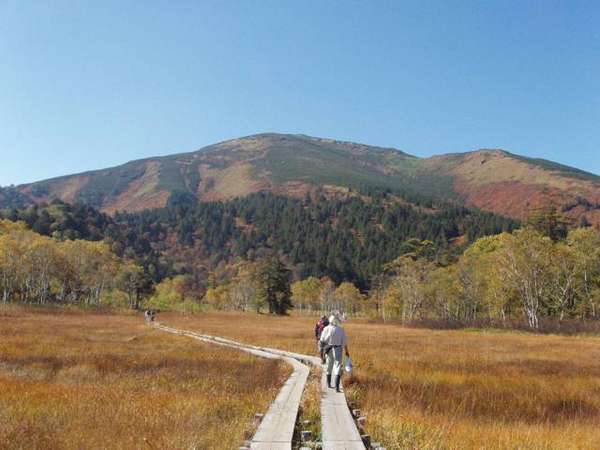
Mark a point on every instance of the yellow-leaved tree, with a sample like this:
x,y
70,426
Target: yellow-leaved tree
x,y
306,294
348,298
39,269
584,243
173,294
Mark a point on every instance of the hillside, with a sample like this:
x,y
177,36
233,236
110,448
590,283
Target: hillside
x,y
514,186
295,165
347,238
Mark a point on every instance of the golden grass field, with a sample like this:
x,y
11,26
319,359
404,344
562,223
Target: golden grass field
x,y
424,389
77,380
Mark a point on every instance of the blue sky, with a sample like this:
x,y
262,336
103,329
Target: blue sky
x,y
85,85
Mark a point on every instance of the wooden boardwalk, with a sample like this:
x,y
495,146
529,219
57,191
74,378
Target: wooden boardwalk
x,y
337,424
338,429
276,430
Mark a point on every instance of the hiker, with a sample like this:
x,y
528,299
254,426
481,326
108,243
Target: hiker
x,y
319,327
149,315
333,340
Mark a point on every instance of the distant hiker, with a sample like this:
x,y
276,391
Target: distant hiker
x,y
150,315
319,327
333,339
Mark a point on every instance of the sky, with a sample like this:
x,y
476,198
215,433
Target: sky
x,y
86,85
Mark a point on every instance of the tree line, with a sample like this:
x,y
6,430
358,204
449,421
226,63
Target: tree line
x,y
41,270
343,238
502,280
545,270
524,275
531,275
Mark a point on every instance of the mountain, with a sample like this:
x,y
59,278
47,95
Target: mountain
x,y
295,165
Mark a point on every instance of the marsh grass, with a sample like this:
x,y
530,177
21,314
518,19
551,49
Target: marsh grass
x,y
451,389
310,410
72,379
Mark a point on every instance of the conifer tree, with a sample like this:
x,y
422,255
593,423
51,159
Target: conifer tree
x,y
274,286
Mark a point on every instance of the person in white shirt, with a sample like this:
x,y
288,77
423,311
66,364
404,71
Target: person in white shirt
x,y
333,340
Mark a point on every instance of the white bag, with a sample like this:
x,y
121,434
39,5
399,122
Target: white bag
x,y
348,365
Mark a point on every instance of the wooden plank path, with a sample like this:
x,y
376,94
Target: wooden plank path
x,y
337,425
338,429
276,430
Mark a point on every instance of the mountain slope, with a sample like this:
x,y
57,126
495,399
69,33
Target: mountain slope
x,y
295,165
345,238
512,185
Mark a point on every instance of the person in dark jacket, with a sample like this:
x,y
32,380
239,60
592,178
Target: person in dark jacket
x,y
319,327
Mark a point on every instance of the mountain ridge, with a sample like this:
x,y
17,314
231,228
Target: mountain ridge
x,y
320,139
293,164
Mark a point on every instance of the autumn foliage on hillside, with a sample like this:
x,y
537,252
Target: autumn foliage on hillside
x,y
504,280
346,238
378,258
511,279
297,165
